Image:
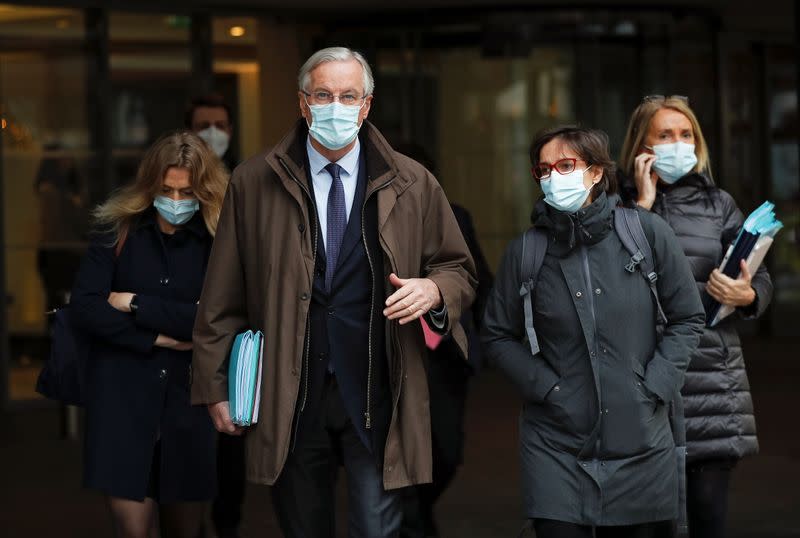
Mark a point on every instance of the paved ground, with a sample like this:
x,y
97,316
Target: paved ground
x,y
40,494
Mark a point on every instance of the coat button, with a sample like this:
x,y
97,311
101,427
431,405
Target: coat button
x,y
301,227
578,294
163,373
304,297
597,291
331,311
556,388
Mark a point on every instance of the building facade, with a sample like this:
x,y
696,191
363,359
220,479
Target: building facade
x,y
85,88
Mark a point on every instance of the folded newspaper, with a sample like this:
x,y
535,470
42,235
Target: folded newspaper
x,y
244,377
751,245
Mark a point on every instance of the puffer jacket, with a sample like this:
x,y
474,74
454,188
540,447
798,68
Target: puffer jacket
x,y
720,423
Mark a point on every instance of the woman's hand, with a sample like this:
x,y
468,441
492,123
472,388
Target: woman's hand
x,y
645,179
162,340
730,292
120,301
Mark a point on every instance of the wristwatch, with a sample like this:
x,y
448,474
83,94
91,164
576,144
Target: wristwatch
x,y
133,305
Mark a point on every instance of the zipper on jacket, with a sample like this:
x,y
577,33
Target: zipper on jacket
x,y
593,352
367,411
314,267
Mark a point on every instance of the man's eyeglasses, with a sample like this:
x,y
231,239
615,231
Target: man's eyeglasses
x,y
326,98
563,166
650,98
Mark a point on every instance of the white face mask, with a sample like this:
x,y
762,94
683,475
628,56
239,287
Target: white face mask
x,y
217,139
565,192
674,160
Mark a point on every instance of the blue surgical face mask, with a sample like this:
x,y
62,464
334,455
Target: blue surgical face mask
x,y
673,161
176,212
565,192
334,125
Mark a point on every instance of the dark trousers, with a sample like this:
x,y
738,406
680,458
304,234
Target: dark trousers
x,y
550,528
707,497
304,495
448,377
227,509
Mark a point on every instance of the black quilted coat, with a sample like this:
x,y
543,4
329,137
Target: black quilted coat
x,y
720,423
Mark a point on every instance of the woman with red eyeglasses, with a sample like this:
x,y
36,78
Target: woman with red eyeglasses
x,y
665,169
597,449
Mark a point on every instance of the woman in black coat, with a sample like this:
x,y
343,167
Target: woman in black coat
x,y
665,169
598,453
136,295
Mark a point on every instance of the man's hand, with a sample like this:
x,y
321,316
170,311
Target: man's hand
x,y
120,301
730,292
221,417
413,298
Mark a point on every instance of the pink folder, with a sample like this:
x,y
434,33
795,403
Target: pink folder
x,y
432,338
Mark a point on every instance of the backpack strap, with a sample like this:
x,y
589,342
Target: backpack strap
x,y
629,229
534,246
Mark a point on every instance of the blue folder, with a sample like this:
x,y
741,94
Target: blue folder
x,y
244,377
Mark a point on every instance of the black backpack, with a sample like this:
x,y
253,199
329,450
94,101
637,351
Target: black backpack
x,y
628,227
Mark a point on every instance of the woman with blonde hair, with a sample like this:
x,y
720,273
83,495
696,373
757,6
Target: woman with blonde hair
x,y
665,168
147,449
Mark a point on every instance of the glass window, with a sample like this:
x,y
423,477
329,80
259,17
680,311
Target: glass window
x,y
236,78
150,81
490,108
45,161
784,185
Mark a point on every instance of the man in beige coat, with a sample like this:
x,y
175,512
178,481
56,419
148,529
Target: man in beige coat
x,y
334,246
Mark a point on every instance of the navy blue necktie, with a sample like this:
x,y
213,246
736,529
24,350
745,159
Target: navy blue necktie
x,y
337,222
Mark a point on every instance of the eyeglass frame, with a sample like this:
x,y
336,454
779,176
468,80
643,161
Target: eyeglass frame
x,y
553,167
659,97
334,98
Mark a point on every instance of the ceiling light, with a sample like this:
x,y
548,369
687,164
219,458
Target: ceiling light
x,y
236,31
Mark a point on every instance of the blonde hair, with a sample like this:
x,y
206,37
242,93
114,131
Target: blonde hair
x,y
180,149
640,123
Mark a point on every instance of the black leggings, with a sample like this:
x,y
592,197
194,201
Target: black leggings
x,y
707,497
550,528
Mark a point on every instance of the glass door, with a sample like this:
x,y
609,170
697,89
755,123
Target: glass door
x,y
45,160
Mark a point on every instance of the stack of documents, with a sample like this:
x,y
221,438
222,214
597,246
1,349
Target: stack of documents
x,y
752,244
244,377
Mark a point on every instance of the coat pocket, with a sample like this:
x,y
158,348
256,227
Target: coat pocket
x,y
641,387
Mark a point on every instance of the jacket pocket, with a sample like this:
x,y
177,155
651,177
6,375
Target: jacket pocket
x,y
640,385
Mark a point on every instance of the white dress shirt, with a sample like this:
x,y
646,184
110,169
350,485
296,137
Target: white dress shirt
x,y
322,180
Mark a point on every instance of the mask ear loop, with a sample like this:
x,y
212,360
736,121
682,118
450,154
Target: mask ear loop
x,y
305,98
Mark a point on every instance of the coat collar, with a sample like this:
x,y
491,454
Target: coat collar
x,y
196,225
288,159
586,226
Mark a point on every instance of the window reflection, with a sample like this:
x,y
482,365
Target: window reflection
x,y
44,170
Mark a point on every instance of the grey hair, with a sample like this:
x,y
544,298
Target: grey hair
x,y
335,54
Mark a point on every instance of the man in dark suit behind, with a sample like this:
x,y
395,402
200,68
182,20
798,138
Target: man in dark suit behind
x,y
448,378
